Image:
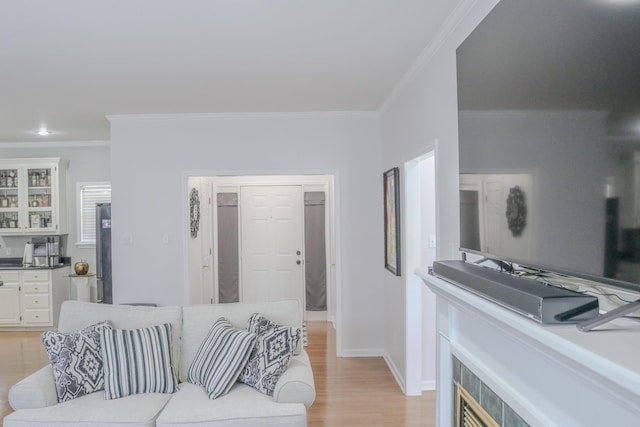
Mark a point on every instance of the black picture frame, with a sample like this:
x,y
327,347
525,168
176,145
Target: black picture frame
x,y
391,185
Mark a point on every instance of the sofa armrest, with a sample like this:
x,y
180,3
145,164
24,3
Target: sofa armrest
x,y
296,384
35,391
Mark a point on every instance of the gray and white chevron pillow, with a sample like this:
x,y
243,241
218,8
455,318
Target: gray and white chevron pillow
x,y
76,360
271,355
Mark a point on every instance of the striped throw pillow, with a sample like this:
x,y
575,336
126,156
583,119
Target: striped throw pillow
x,y
138,361
221,357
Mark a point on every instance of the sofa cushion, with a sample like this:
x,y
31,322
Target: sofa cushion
x,y
76,315
241,407
76,360
221,357
270,356
91,410
197,321
138,361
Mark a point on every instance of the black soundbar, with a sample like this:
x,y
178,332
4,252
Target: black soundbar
x,y
543,303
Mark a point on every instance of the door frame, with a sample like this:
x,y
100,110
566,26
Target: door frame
x,y
420,322
313,181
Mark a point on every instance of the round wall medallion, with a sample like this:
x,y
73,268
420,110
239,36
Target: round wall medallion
x,y
194,212
516,211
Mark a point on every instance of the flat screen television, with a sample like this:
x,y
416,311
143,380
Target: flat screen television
x,y
549,137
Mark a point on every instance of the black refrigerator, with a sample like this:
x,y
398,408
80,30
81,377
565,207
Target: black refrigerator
x,y
103,252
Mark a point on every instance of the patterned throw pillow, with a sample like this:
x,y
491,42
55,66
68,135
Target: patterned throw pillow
x,y
76,360
270,357
138,361
220,358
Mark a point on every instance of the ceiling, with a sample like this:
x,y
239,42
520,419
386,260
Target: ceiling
x,y
66,64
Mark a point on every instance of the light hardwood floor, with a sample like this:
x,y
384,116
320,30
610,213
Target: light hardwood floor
x,y
350,391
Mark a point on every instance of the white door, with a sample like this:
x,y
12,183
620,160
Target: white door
x,y
494,215
272,243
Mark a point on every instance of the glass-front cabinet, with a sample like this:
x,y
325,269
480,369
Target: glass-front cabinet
x,y
32,199
9,198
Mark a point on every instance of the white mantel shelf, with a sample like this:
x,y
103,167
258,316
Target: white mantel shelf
x,y
551,375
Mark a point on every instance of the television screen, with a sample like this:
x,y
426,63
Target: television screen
x,y
549,137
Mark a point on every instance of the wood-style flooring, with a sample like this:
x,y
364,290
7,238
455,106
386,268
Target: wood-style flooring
x,y
350,391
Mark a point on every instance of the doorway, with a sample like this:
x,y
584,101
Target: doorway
x,y
247,210
421,238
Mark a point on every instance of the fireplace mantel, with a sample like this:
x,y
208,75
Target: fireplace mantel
x,y
550,375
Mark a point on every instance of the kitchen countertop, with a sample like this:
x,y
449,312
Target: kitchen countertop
x,y
16,264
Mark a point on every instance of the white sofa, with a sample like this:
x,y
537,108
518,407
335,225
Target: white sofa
x,y
35,403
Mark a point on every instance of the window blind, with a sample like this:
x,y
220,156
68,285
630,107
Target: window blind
x,y
90,195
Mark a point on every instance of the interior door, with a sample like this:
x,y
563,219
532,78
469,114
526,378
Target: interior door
x,y
272,259
494,215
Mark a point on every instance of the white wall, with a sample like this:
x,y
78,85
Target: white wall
x,y
151,157
423,109
88,162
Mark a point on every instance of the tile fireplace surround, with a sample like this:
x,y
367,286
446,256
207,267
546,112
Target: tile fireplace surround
x,y
547,375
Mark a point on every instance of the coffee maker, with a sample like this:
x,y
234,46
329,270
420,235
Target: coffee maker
x,y
46,251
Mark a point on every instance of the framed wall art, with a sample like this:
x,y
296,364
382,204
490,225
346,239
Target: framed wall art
x,y
391,182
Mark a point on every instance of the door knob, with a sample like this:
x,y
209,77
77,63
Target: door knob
x,y
298,262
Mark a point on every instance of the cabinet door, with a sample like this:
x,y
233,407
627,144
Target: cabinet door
x,y
9,304
32,196
10,200
40,210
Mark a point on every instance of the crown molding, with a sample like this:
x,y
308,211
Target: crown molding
x,y
444,33
54,144
231,116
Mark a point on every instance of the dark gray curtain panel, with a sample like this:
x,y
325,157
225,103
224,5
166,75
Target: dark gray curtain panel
x,y
228,245
315,251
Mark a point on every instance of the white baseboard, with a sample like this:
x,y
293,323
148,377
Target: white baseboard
x,y
395,372
428,385
364,352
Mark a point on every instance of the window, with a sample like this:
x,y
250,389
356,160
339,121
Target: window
x,y
88,195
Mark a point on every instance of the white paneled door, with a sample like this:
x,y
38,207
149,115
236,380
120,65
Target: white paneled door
x,y
272,243
493,214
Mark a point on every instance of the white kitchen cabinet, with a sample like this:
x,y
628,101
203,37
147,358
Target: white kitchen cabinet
x,y
35,297
9,298
33,196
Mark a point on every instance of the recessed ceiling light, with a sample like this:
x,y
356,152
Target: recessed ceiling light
x,y
43,132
